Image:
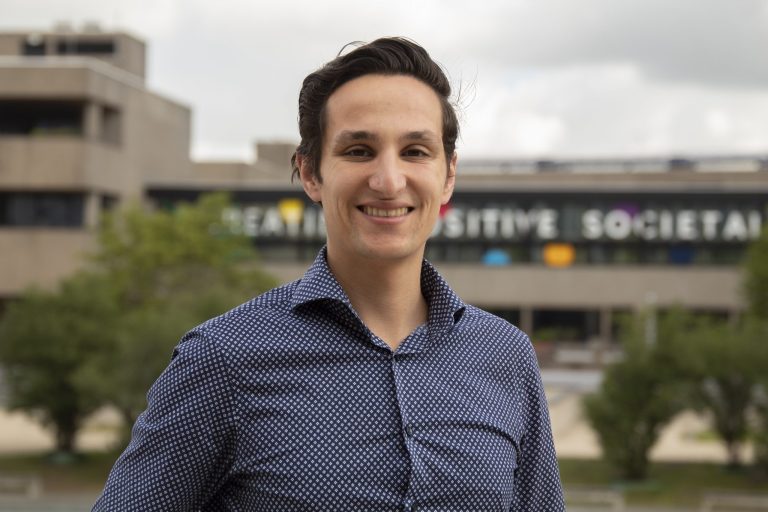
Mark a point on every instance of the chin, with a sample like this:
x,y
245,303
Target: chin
x,y
390,251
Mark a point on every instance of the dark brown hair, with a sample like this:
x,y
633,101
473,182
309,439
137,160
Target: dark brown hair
x,y
385,56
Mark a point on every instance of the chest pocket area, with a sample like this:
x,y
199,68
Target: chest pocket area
x,y
476,456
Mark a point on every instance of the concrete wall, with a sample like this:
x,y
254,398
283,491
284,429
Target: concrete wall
x,y
585,287
154,133
40,257
129,56
533,286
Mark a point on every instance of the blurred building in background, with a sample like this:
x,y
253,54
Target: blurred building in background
x,y
561,248
79,133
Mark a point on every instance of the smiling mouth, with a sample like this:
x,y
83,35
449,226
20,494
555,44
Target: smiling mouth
x,y
381,212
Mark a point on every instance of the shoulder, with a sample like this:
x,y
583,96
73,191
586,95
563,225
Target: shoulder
x,y
494,326
248,321
273,303
497,336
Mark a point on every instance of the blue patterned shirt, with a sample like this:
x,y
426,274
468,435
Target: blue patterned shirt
x,y
290,403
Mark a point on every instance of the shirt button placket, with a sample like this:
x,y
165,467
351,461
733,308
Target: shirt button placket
x,y
408,430
396,370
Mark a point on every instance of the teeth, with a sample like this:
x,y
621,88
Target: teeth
x,y
378,212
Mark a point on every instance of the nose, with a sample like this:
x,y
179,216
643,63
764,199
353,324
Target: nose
x,y
388,178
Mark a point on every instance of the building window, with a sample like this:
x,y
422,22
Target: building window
x,y
565,325
510,315
108,203
41,117
33,45
41,209
73,46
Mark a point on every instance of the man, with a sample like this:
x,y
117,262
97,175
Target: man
x,y
367,385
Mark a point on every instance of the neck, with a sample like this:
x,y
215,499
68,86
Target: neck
x,y
385,293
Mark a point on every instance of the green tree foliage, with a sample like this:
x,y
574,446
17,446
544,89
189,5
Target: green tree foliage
x,y
171,270
637,398
45,338
756,288
721,362
106,335
756,277
153,256
760,437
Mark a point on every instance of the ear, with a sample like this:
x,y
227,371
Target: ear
x,y
450,179
308,179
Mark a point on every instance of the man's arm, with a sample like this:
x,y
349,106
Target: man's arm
x,y
537,477
180,446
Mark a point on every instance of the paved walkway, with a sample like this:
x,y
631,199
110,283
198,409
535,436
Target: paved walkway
x,y
19,433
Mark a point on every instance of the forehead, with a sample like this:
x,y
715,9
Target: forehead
x,y
383,104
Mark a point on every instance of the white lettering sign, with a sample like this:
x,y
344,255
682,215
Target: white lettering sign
x,y
290,218
683,225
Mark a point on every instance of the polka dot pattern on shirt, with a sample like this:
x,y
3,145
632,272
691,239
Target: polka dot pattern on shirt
x,y
290,403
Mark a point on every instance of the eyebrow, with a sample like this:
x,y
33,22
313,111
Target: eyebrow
x,y
422,136
348,136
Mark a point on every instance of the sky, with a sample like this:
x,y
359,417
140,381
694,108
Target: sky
x,y
534,79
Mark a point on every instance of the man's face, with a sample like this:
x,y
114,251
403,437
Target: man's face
x,y
383,168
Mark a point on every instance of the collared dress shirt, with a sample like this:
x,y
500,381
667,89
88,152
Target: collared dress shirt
x,y
290,403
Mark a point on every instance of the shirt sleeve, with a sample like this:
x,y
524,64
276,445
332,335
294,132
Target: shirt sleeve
x,y
177,457
537,477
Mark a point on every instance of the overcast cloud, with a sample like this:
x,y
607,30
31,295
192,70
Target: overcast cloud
x,y
540,79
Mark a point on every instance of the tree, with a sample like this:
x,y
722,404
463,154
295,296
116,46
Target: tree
x,y
756,291
151,256
720,362
46,336
637,398
756,276
171,271
106,334
761,406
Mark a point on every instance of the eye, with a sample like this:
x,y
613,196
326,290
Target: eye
x,y
358,152
415,152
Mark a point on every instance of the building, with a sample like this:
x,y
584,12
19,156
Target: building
x,y
79,133
561,248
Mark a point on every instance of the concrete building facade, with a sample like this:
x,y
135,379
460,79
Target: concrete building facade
x,y
79,133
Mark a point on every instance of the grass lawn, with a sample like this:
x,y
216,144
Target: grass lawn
x,y
85,473
668,484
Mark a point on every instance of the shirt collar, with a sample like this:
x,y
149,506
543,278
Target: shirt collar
x,y
445,307
319,284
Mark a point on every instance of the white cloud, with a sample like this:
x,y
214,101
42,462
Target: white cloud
x,y
611,111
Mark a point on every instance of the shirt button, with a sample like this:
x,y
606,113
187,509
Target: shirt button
x,y
408,430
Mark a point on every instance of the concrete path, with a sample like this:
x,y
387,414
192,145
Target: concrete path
x,y
687,439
